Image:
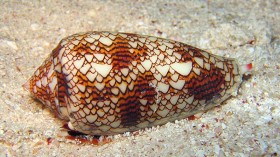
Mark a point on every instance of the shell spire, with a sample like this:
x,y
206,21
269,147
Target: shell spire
x,y
108,83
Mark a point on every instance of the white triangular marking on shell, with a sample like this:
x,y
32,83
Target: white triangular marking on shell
x,y
51,71
90,40
143,101
107,49
89,57
123,87
172,58
99,86
79,63
219,58
133,76
153,70
71,46
199,61
140,44
154,107
106,41
196,70
182,68
85,69
207,66
147,64
58,68
157,51
114,99
177,55
162,47
38,83
132,44
105,33
134,63
91,76
212,59
175,77
142,40
161,57
227,77
75,79
86,110
182,105
74,71
169,51
153,39
153,58
190,99
131,86
163,113
53,84
170,45
167,97
163,87
112,82
81,87
64,60
76,42
202,102
99,56
150,46
91,118
113,37
44,81
102,69
75,89
205,54
93,47
118,78
122,35
178,85
116,124
220,65
163,69
167,61
95,36
125,71
111,118
99,78
131,50
140,68
100,112
158,76
69,77
174,99
115,91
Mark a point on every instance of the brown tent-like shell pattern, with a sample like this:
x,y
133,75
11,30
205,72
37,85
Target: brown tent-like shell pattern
x,y
108,83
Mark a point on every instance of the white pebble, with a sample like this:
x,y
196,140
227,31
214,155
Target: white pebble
x,y
35,26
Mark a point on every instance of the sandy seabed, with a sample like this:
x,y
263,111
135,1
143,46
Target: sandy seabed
x,y
246,125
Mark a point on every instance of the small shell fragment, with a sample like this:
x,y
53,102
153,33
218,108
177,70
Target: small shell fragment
x,y
108,83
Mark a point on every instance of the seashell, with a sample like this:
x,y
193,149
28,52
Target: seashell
x,y
107,83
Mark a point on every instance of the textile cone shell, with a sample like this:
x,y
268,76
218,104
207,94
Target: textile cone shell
x,y
108,83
